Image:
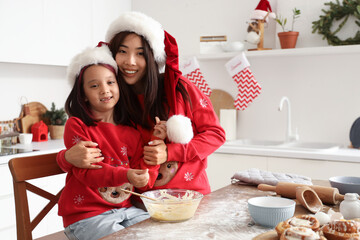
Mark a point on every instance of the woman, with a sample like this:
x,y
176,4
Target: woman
x,y
141,48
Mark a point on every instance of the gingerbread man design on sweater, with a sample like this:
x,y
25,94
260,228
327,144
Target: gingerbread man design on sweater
x,y
166,172
114,194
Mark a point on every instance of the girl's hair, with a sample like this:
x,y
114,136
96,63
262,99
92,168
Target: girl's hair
x,y
155,102
76,106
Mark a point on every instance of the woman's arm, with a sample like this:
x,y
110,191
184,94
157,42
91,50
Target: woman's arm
x,y
82,155
208,134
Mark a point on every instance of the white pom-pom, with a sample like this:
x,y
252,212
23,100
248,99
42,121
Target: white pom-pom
x,y
253,38
179,129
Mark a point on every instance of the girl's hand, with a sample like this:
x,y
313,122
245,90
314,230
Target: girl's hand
x,y
155,153
138,177
160,129
84,154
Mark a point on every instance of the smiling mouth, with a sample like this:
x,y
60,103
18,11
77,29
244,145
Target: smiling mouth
x,y
130,71
105,99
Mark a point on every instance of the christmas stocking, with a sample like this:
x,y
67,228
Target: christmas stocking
x,y
191,70
248,87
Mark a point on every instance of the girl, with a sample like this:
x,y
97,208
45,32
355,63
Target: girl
x,y
92,203
141,49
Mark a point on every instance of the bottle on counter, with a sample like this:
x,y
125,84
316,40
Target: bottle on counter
x,y
350,207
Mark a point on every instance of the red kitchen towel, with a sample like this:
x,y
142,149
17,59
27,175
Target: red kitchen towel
x,y
191,70
249,88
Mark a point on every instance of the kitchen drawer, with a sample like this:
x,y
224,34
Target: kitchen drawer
x,y
7,210
5,180
8,233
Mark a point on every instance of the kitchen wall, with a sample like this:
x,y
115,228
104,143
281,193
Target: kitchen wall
x,y
322,88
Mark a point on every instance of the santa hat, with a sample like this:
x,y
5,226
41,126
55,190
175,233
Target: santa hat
x,y
90,56
163,45
142,25
263,11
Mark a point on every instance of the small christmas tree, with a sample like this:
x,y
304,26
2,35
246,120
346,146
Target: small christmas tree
x,y
55,116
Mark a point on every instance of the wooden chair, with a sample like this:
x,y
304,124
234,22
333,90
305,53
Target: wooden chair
x,y
27,168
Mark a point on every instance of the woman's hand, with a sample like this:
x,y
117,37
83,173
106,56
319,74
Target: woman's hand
x,y
84,154
155,153
138,177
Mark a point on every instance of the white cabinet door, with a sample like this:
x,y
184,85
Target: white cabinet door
x,y
7,205
51,32
221,167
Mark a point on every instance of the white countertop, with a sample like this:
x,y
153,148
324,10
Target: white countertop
x,y
49,146
341,154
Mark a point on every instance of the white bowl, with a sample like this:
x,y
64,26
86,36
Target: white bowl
x,y
269,211
173,205
346,184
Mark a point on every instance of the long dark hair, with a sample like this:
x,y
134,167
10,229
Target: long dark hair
x,y
155,102
76,106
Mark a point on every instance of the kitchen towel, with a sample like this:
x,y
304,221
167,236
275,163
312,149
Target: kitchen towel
x,y
191,70
254,176
249,88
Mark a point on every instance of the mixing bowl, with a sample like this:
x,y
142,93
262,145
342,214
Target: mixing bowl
x,y
346,184
172,205
269,211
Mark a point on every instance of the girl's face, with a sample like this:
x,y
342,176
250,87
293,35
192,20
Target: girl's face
x,y
101,90
131,61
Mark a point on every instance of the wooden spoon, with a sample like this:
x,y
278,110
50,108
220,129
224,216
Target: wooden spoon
x,y
138,194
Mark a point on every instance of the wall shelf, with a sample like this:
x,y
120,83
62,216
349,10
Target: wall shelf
x,y
309,51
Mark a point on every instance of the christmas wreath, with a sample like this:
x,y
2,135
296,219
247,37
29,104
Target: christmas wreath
x,y
337,12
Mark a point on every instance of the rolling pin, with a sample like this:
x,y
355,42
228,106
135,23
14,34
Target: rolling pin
x,y
327,195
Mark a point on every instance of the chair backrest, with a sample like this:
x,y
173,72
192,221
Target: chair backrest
x,y
27,168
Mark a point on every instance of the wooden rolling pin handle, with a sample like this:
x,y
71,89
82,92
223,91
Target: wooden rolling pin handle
x,y
339,197
266,187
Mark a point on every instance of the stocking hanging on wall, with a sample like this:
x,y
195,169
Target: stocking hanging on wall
x,y
249,88
191,70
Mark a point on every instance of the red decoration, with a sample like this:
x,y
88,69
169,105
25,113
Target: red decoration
x,y
40,132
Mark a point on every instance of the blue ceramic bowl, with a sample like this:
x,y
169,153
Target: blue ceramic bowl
x,y
346,184
269,211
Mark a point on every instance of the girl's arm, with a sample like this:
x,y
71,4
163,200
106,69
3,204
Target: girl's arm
x,y
138,162
76,131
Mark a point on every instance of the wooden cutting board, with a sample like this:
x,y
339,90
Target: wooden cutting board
x,y
36,110
271,235
221,100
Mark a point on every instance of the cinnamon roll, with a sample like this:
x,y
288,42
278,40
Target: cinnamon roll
x,y
302,233
342,230
298,221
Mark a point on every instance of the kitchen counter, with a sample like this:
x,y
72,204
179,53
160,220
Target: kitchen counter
x,y
49,146
341,154
222,214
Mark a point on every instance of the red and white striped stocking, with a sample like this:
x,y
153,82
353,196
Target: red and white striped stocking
x,y
191,70
248,87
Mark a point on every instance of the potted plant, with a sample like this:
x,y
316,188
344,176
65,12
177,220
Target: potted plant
x,y
288,39
55,118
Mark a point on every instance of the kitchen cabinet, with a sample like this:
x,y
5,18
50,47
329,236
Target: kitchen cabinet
x,y
52,32
7,205
222,166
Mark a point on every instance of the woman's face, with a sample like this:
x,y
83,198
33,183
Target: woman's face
x,y
101,90
131,61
